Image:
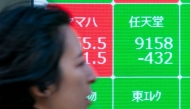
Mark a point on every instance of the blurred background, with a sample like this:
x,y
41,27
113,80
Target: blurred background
x,y
13,3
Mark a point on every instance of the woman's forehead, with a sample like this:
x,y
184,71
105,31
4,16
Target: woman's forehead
x,y
72,46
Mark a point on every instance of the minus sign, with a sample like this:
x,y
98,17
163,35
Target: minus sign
x,y
141,59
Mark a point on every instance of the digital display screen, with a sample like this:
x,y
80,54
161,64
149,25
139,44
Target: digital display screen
x,y
140,50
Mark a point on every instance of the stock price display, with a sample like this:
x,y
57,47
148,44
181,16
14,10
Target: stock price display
x,y
140,50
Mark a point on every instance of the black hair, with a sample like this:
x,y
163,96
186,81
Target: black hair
x,y
30,49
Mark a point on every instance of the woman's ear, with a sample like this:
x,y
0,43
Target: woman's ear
x,y
35,91
41,98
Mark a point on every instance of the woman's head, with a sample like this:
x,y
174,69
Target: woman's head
x,y
41,62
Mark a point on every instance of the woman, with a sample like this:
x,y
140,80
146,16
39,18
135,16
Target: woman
x,y
41,62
